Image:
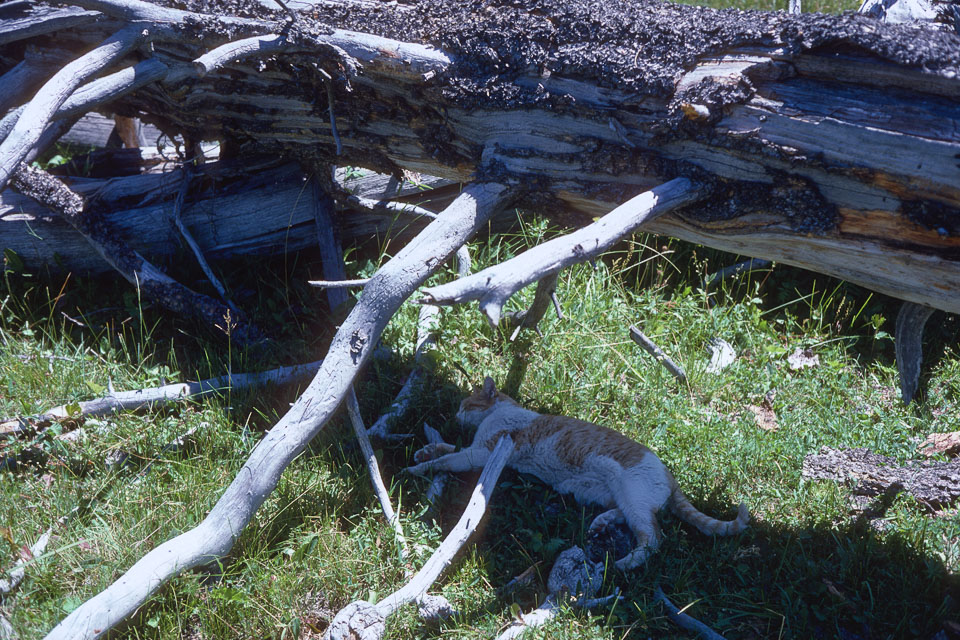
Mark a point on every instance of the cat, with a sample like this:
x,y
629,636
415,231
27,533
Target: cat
x,y
596,464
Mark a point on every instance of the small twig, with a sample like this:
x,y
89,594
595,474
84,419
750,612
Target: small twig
x,y
393,519
171,447
328,80
389,206
683,620
648,345
793,6
293,16
556,304
531,317
338,284
439,480
197,251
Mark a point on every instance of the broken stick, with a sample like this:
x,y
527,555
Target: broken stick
x,y
362,619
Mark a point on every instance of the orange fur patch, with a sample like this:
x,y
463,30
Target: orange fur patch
x,y
479,401
578,439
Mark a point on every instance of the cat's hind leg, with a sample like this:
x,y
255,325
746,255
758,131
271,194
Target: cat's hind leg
x,y
464,460
646,529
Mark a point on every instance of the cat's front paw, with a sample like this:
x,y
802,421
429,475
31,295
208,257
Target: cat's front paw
x,y
432,451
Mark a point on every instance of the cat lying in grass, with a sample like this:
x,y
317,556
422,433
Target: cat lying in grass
x,y
596,464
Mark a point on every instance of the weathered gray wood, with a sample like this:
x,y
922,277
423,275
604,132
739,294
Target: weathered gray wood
x,y
239,217
23,20
493,286
351,348
934,484
833,138
35,116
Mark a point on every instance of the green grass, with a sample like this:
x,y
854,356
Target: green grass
x,y
805,568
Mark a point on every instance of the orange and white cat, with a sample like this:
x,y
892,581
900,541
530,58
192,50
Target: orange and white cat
x,y
594,463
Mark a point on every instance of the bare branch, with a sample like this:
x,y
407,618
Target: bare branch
x,y
494,285
117,401
530,318
733,271
338,284
35,116
155,284
683,620
41,20
383,496
351,348
650,347
439,480
458,536
426,340
257,46
188,237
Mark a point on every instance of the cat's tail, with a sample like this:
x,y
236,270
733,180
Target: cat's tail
x,y
707,525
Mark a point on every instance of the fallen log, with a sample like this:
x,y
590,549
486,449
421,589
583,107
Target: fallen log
x,y
235,215
829,142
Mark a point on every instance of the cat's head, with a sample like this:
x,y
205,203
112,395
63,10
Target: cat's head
x,y
481,403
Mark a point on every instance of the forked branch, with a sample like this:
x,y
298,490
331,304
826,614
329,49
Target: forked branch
x,y
493,286
351,348
362,619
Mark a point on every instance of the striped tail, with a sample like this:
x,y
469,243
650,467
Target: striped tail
x,y
707,525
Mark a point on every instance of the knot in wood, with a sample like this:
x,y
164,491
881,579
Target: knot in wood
x,y
357,340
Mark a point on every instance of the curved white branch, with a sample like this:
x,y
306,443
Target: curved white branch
x,y
493,286
37,114
350,349
240,49
458,536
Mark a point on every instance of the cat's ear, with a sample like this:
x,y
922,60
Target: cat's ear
x,y
489,387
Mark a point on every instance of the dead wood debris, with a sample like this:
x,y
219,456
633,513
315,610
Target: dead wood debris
x,y
936,485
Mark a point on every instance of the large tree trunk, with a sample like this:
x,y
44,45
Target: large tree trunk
x,y
828,142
